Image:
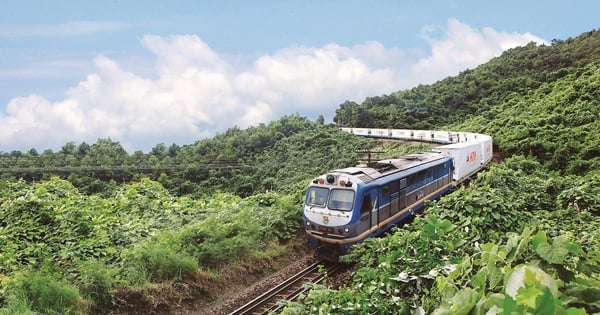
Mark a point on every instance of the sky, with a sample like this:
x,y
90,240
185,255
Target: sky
x,y
148,72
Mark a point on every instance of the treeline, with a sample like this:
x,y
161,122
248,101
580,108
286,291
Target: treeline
x,y
278,156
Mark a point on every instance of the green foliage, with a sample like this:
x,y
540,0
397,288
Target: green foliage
x,y
142,234
96,281
157,261
523,276
459,256
581,193
38,291
54,223
278,215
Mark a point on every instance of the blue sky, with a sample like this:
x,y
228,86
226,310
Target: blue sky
x,y
149,72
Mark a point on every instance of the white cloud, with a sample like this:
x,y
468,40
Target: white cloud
x,y
194,92
463,47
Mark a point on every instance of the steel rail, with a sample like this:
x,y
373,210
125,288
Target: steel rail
x,y
288,290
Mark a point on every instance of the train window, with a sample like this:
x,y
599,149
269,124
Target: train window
x,y
366,204
386,189
317,196
341,199
411,180
402,183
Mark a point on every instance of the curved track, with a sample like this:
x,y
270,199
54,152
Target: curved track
x,y
290,289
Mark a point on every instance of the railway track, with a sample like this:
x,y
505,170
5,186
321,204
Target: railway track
x,y
290,289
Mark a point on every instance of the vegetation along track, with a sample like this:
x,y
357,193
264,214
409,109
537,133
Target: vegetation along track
x,y
291,288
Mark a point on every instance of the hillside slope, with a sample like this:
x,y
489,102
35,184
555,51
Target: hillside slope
x,y
517,72
557,123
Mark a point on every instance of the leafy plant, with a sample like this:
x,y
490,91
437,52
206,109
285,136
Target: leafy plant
x,y
510,278
96,281
157,262
38,291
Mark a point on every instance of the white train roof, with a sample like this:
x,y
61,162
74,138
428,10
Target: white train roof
x,y
368,173
469,151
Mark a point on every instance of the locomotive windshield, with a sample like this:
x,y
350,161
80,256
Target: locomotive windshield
x,y
317,196
341,199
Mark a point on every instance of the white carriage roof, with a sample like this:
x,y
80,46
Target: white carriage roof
x,y
368,173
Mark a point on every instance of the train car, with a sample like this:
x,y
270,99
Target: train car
x,y
346,206
466,157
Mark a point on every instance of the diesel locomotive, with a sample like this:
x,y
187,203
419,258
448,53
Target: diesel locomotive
x,y
346,206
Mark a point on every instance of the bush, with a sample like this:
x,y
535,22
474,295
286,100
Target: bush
x,y
38,291
279,215
582,194
156,262
96,283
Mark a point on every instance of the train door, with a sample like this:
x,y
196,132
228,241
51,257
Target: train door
x,y
394,197
369,206
394,203
402,198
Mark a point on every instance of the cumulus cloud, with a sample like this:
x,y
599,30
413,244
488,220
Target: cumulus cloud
x,y
195,92
463,47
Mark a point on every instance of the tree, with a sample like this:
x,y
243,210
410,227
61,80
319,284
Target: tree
x,y
320,120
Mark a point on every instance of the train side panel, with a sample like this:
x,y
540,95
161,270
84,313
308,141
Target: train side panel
x,y
486,150
467,158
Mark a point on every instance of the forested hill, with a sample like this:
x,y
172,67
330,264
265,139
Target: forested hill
x,y
538,101
517,72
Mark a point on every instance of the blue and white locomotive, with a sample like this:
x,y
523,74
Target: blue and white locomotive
x,y
346,206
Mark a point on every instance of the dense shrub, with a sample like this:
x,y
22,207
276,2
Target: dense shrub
x,y
157,262
39,291
140,235
96,281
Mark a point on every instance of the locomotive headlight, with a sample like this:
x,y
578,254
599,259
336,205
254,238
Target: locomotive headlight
x,y
308,225
346,229
330,179
345,183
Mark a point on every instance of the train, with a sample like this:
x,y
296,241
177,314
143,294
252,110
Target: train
x,y
346,206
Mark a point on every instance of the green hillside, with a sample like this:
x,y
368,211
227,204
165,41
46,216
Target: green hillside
x,y
516,73
556,124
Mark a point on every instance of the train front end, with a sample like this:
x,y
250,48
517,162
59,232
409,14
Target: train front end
x,y
328,215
